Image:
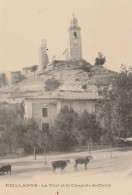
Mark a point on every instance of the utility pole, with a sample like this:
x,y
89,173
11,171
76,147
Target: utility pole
x,y
44,155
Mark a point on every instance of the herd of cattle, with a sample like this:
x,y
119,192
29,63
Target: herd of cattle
x,y
61,164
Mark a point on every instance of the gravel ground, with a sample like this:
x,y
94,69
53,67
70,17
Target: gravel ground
x,y
102,162
104,169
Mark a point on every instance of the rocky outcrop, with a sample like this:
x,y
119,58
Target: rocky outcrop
x,y
69,64
73,75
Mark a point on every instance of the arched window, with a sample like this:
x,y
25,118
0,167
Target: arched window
x,y
75,35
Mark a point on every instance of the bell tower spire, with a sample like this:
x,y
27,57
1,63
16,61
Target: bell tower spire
x,y
75,45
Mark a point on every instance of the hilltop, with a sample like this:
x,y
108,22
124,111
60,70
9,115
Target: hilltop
x,y
73,75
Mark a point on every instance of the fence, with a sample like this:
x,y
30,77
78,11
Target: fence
x,y
107,158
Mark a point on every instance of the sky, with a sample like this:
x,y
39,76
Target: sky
x,y
106,26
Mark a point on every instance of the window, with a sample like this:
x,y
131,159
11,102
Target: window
x,y
75,35
45,127
44,112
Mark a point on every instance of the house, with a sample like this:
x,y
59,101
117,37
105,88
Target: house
x,y
45,108
10,78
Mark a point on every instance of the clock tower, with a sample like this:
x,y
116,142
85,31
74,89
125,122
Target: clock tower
x,y
75,44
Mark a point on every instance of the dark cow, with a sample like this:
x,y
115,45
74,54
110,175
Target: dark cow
x,y
60,164
5,169
82,160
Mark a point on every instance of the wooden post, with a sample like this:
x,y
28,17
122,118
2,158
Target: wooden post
x,y
34,153
88,142
44,156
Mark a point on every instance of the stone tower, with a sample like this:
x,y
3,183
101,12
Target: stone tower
x,y
44,60
75,47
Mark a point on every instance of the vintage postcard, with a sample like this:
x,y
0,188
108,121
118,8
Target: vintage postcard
x,y
65,97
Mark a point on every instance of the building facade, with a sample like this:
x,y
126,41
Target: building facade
x,y
44,110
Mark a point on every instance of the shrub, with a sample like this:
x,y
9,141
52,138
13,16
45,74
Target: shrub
x,y
84,86
100,60
51,84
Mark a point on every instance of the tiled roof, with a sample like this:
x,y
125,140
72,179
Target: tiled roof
x,y
67,95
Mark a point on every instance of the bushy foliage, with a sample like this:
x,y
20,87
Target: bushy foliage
x,y
8,117
100,60
19,132
51,84
66,128
89,127
117,104
34,68
86,67
84,86
69,126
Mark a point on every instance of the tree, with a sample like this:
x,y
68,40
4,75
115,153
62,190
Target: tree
x,y
31,136
100,60
84,86
85,66
8,116
34,68
89,127
51,84
19,132
66,128
27,134
44,140
117,104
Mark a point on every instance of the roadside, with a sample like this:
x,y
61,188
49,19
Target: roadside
x,y
104,162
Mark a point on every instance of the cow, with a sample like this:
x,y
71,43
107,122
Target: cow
x,y
5,169
82,160
60,164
